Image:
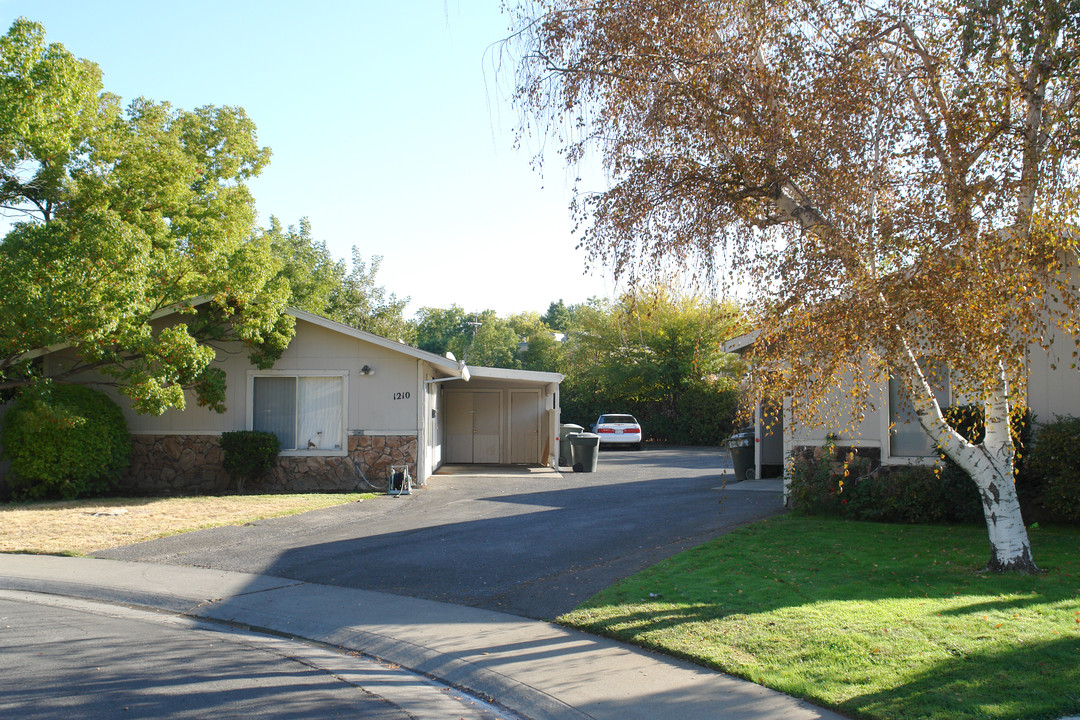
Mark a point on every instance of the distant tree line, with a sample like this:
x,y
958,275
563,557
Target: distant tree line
x,y
653,353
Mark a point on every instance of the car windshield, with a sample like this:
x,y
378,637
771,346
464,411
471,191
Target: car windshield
x,y
618,419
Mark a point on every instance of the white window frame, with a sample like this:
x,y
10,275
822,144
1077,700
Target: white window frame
x,y
887,458
305,452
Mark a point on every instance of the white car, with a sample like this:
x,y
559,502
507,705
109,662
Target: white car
x,y
618,430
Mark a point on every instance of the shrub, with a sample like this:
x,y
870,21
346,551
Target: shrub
x,y
837,481
248,454
1055,467
697,413
705,413
64,441
820,478
814,488
914,495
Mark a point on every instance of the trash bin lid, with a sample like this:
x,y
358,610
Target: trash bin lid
x,y
583,438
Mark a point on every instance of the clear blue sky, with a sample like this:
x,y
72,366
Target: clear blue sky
x,y
390,128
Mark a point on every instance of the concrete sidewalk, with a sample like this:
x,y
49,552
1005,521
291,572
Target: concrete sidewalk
x,y
536,669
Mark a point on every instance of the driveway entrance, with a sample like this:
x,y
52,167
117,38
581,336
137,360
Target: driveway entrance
x,y
529,543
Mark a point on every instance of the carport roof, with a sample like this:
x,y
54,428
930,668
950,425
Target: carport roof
x,y
535,376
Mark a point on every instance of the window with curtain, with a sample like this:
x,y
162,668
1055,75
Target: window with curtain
x,y
907,438
304,412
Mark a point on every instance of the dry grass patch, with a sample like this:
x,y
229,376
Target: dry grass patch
x,y
78,527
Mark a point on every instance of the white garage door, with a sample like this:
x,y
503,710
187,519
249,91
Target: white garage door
x,y
473,427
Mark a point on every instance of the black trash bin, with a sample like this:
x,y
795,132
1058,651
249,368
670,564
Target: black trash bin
x,y
584,449
741,447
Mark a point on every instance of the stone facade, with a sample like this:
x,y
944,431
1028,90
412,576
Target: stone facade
x,y
191,465
868,459
376,453
175,465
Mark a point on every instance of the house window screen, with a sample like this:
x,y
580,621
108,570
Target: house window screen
x,y
274,408
304,412
907,438
319,413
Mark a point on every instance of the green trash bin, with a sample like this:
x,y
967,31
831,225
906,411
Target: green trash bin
x,y
741,447
564,442
585,450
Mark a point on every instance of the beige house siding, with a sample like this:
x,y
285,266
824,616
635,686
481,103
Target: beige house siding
x,y
178,451
1053,386
1052,389
391,415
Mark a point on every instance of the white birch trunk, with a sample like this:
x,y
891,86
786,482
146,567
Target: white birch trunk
x,y
990,464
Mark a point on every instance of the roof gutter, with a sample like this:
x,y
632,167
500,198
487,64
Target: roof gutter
x,y
463,374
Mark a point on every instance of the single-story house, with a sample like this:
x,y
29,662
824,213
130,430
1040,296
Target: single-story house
x,y
889,433
345,402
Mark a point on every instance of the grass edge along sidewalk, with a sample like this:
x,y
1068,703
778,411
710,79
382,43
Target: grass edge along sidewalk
x,y
78,527
872,620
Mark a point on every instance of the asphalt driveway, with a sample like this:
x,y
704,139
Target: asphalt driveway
x,y
534,545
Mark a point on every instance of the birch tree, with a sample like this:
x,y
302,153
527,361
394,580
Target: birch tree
x,y
895,182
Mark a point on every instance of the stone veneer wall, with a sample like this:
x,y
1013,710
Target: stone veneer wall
x,y
191,465
839,453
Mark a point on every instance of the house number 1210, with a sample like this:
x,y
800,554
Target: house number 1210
x,y
401,396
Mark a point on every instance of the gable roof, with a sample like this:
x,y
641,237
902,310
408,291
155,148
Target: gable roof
x,y
455,368
451,367
742,342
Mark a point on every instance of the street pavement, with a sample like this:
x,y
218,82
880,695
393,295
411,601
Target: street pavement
x,y
526,668
62,657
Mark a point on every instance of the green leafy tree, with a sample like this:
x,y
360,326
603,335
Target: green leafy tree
x,y
542,351
362,303
657,354
121,216
478,338
557,316
313,273
323,285
438,328
488,341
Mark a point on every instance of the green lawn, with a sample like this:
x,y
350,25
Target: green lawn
x,y
876,621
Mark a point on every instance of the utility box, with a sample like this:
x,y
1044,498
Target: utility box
x,y
399,482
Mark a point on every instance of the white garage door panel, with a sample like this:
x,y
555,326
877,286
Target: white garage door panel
x,y
524,427
459,434
486,423
473,427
